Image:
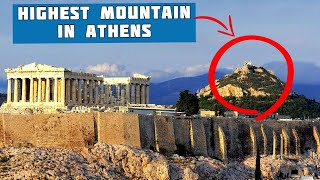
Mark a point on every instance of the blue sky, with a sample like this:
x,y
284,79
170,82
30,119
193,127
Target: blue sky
x,y
294,24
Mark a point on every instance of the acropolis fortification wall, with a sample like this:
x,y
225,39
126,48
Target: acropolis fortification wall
x,y
218,137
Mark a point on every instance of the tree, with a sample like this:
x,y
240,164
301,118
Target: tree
x,y
188,103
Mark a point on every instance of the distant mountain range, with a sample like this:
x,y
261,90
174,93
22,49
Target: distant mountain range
x,y
306,79
167,92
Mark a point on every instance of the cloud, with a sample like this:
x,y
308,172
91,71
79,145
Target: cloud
x,y
158,75
169,73
109,70
195,70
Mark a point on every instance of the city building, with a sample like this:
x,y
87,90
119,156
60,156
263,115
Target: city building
x,y
149,109
206,113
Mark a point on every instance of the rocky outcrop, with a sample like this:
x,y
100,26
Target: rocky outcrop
x,y
247,80
121,162
231,90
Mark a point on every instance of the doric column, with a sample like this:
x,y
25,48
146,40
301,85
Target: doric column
x,y
24,90
85,91
68,90
123,100
96,92
148,94
15,91
9,92
73,91
127,93
19,90
79,91
31,97
48,90
108,94
91,92
63,90
55,94
133,94
143,94
102,94
138,93
39,89
43,88
118,91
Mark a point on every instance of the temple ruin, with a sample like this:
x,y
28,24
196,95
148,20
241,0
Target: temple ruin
x,y
43,86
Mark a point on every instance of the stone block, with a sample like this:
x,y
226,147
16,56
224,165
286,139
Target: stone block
x,y
198,138
164,135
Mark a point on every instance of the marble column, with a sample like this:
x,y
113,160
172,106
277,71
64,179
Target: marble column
x,y
138,94
85,91
24,90
19,89
102,94
31,97
9,92
128,93
73,91
39,89
63,90
96,92
48,90
79,91
143,94
108,93
118,91
147,94
133,94
15,90
91,92
68,89
43,92
55,93
123,100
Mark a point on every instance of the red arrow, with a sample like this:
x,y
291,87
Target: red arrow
x,y
221,24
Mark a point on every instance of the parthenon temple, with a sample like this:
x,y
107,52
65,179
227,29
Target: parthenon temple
x,y
40,85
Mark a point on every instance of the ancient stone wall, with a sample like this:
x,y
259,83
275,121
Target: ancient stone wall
x,y
198,138
73,131
221,138
182,135
164,135
119,128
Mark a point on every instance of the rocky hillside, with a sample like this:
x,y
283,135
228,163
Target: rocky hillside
x,y
120,162
254,87
248,80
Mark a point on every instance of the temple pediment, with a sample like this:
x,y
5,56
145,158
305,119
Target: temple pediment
x,y
36,67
